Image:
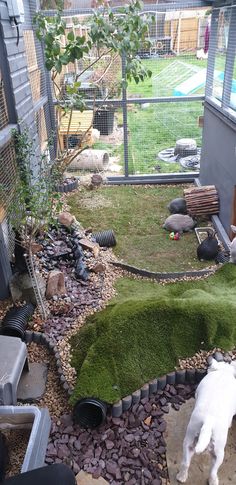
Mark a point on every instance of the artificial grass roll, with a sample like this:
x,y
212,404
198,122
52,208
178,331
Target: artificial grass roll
x,y
138,339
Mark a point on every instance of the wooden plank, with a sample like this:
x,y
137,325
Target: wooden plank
x,y
79,122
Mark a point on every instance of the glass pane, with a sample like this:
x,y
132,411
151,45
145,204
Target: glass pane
x,y
233,87
221,49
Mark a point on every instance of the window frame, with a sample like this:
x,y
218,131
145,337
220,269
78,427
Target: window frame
x,y
222,105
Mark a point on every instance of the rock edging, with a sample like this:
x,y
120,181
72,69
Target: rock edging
x,y
181,376
41,338
162,276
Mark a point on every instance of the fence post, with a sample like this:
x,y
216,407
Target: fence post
x,y
125,118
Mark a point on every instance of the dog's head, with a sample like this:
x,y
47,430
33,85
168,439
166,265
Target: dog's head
x,y
216,366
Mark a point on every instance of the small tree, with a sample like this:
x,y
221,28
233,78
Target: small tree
x,y
35,202
110,35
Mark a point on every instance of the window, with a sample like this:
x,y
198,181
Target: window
x,y
233,85
220,51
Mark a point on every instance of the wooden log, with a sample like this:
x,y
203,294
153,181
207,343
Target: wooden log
x,y
202,200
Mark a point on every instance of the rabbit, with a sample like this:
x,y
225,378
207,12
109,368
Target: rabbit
x,y
208,248
233,246
178,206
179,223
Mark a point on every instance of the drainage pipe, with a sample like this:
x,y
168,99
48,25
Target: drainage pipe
x,y
90,412
16,319
94,160
105,238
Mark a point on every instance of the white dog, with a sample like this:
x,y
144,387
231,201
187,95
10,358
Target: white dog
x,y
211,418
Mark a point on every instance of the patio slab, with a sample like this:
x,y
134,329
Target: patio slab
x,y
177,422
32,384
83,478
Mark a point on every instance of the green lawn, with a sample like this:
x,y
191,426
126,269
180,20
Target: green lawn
x,y
146,88
136,214
144,331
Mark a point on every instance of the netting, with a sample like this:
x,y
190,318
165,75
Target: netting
x,y
156,127
7,177
3,105
37,76
177,57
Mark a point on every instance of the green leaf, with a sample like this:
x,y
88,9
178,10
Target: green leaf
x,y
71,36
58,66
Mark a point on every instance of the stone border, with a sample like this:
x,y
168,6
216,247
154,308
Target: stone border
x,y
187,376
181,376
162,276
41,338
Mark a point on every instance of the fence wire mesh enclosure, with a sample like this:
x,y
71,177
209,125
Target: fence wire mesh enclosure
x,y
138,128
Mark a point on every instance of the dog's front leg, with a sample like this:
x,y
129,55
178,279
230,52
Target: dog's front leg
x,y
188,451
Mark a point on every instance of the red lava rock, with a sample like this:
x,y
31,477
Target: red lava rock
x,y
129,438
63,451
122,450
136,452
109,445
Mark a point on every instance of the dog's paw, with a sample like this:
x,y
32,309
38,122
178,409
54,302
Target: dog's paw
x,y
213,481
182,476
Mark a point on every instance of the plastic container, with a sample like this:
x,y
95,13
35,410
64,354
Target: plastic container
x,y
90,413
15,320
105,238
29,417
104,120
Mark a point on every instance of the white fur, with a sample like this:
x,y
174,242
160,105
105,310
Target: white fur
x,y
233,246
211,418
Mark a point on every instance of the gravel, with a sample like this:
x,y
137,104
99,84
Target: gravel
x,y
126,450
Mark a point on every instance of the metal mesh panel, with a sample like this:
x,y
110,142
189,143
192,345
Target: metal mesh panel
x,y
177,56
178,60
3,105
7,177
109,140
221,51
153,132
42,128
37,75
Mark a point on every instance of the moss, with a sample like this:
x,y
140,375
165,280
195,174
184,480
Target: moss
x,y
147,328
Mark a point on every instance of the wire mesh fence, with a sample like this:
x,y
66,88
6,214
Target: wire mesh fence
x,y
37,76
8,174
153,132
177,57
3,105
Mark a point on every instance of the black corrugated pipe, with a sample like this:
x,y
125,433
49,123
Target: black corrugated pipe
x,y
15,321
90,412
105,238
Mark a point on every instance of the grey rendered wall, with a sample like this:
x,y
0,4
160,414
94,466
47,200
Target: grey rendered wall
x,y
218,163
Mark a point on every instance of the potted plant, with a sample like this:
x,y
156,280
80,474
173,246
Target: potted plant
x,y
109,36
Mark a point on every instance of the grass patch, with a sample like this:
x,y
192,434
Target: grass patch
x,y
146,88
141,336
136,214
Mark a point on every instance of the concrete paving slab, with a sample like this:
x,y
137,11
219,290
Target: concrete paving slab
x,y
84,478
177,422
32,384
